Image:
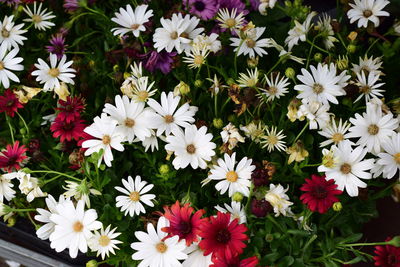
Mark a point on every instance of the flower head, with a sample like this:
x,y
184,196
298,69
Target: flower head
x,y
104,242
57,46
279,200
13,157
39,17
67,131
250,43
205,9
10,34
8,63
364,11
131,20
9,103
71,108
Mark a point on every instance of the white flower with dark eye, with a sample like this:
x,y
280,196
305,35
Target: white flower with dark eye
x,y
348,168
104,242
191,31
10,34
235,209
135,194
8,63
131,21
364,11
368,65
230,20
53,74
373,128
335,133
389,160
39,17
43,216
273,140
192,146
232,178
299,31
251,44
368,86
276,87
142,89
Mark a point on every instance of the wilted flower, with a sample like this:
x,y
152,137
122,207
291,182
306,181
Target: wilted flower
x,y
231,136
297,152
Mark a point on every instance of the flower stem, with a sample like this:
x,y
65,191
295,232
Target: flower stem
x,y
23,121
11,128
302,131
22,210
58,173
317,47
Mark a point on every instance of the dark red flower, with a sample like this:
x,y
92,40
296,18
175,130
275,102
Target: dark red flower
x,y
71,109
260,208
221,237
9,103
67,130
320,193
387,255
183,222
260,177
12,157
234,262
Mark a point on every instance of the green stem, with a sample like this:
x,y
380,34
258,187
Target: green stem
x,y
269,217
274,66
142,42
312,165
58,173
364,244
52,179
95,11
302,131
11,128
216,105
23,121
76,52
372,45
317,47
22,210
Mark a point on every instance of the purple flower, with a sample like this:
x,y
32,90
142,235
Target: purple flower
x,y
159,61
205,9
57,46
231,4
254,4
11,2
71,5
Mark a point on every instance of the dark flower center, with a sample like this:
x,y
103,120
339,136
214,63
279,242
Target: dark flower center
x,y
392,260
10,103
185,227
12,160
233,265
199,5
319,192
68,126
223,236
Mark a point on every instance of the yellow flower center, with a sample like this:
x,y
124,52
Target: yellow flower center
x,y
365,89
250,43
272,90
191,149
169,118
337,137
317,88
345,168
135,26
104,240
198,60
272,139
373,129
5,33
77,227
232,176
184,35
134,196
54,72
37,18
2,65
367,13
129,123
174,35
143,95
396,157
230,23
106,139
161,247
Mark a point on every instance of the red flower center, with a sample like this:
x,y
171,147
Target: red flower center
x,y
223,236
12,160
68,126
185,227
10,103
392,260
319,192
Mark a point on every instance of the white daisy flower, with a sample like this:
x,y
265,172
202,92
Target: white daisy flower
x,y
277,87
80,191
131,21
104,242
368,65
368,86
39,17
137,70
325,28
299,31
364,11
136,194
43,216
254,131
191,31
142,90
250,44
210,42
235,209
373,128
53,74
335,133
388,162
279,200
150,142
316,113
73,227
103,129
196,257
250,79
230,20
10,35
196,57
169,116
192,146
9,63
349,167
132,118
322,84
154,250
6,191
232,178
273,140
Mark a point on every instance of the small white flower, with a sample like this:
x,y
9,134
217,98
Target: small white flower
x,y
8,63
316,113
210,42
390,158
279,200
131,21
135,192
299,31
142,90
196,57
80,191
39,17
286,54
73,227
250,79
150,142
254,131
104,242
349,167
196,257
53,74
335,133
325,27
368,86
230,20
364,11
231,136
104,130
251,44
232,178
43,216
192,146
235,209
373,128
368,65
273,140
276,87
10,35
154,250
6,191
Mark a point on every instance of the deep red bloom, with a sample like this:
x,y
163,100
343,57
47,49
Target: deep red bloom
x,y
12,157
183,222
234,262
9,103
320,193
387,255
261,207
222,237
71,109
67,130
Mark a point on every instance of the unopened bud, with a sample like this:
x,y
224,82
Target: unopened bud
x,y
238,197
337,206
290,73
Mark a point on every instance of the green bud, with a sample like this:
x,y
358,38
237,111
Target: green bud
x,y
351,48
218,123
115,68
198,83
269,238
92,263
41,36
395,241
238,197
11,221
164,169
22,131
290,73
318,57
337,206
181,89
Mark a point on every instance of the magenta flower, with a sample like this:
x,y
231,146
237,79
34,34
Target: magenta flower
x,y
57,46
205,9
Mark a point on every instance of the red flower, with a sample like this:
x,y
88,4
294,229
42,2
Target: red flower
x,y
387,255
222,237
71,109
261,207
320,193
67,130
12,157
9,103
183,222
234,262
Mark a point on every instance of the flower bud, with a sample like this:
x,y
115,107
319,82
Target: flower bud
x,y
164,169
337,206
218,123
126,75
351,48
198,83
252,62
352,36
290,73
181,89
238,197
92,263
318,57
